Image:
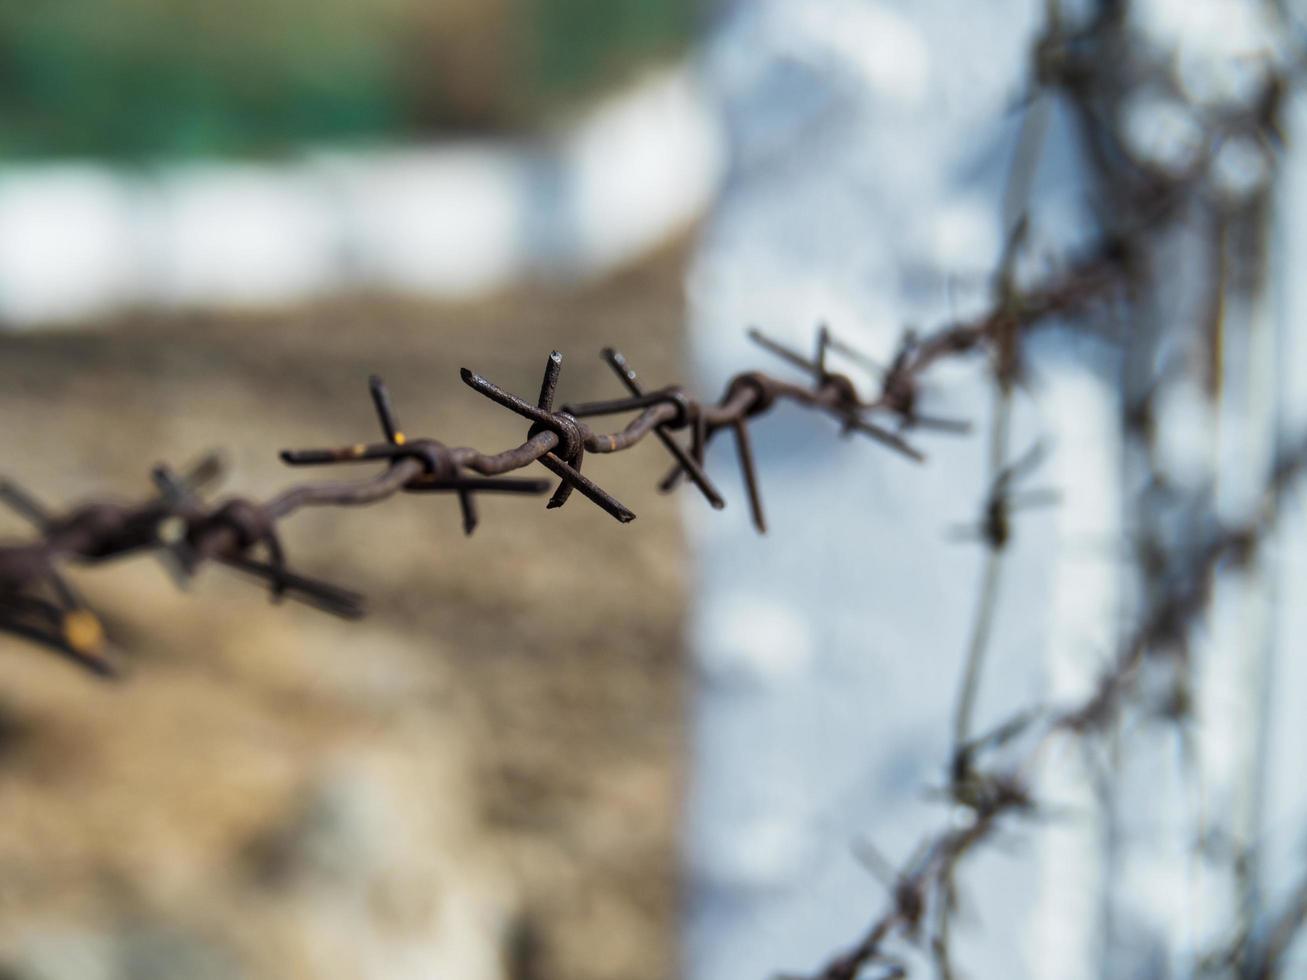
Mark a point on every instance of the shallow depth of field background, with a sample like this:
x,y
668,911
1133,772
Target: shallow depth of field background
x,y
483,778
565,749
145,79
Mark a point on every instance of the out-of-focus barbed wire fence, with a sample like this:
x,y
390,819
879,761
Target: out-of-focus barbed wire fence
x,y
911,142
1191,122
868,148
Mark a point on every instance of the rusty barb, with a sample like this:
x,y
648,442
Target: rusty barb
x,y
991,774
186,529
1005,499
438,468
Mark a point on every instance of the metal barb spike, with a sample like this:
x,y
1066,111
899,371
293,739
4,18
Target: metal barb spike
x,y
385,410
549,386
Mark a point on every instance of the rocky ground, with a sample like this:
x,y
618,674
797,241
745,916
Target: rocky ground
x,y
482,779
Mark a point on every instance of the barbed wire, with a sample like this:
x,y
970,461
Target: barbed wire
x,y
989,782
1081,63
185,530
988,795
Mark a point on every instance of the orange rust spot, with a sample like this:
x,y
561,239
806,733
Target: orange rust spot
x,y
400,438
83,633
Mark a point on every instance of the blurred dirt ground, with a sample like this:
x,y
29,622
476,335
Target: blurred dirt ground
x,y
482,779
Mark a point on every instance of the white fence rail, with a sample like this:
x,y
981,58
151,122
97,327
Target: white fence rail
x,y
455,220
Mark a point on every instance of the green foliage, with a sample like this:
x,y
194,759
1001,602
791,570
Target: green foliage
x,y
576,43
132,77
150,78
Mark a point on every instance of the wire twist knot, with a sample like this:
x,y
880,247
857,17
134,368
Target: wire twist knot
x,y
763,391
248,521
571,437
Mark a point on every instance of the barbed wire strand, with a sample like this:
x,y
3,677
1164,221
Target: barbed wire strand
x,y
187,531
991,795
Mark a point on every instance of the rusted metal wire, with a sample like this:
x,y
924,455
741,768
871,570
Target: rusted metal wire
x,y
187,530
992,793
1083,65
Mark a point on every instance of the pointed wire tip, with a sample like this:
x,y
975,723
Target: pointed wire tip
x,y
953,426
888,439
212,466
476,382
97,665
467,505
102,669
352,610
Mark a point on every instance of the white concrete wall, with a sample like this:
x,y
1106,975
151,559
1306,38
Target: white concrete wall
x,y
449,220
869,141
869,147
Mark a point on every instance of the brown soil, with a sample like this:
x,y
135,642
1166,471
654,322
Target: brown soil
x,y
494,753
